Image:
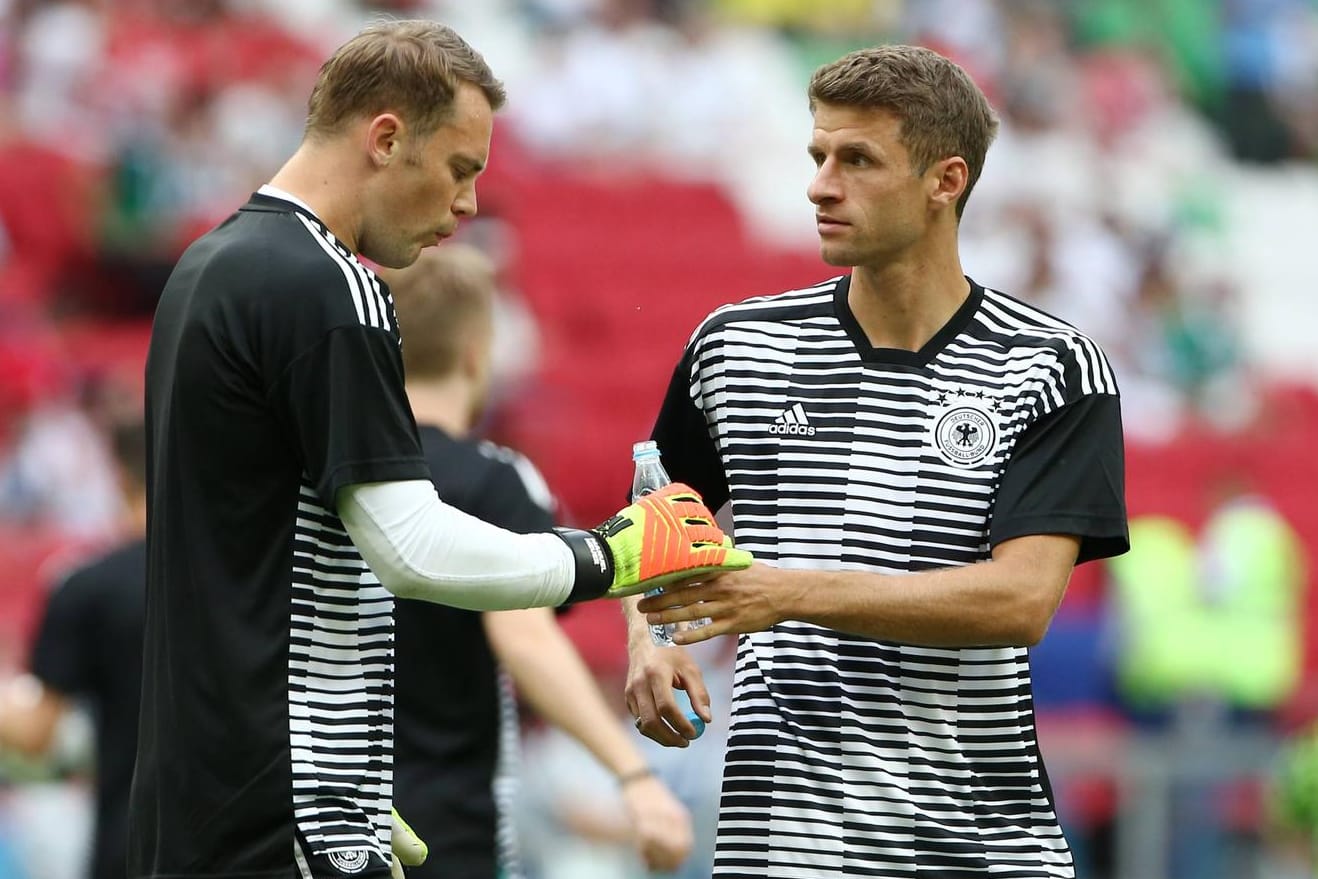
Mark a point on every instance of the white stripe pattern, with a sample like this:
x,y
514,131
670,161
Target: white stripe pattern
x,y
340,689
363,284
850,756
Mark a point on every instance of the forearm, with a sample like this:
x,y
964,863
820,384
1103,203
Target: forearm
x,y
551,676
984,604
422,548
1006,601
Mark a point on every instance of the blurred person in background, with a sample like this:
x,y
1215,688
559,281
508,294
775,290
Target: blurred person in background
x,y
921,462
89,648
289,496
453,722
1292,803
1210,630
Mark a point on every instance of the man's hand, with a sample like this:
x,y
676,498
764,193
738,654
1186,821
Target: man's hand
x,y
408,848
661,824
736,603
651,675
665,537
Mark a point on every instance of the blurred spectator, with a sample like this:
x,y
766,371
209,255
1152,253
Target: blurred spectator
x,y
1215,617
89,647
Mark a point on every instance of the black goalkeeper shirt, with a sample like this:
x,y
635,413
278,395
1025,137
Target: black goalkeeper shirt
x,y
274,378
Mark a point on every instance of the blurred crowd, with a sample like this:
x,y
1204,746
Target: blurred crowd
x,y
127,127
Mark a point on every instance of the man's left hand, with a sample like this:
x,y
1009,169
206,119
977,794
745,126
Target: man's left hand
x,y
752,600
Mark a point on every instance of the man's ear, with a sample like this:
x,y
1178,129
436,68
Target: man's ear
x,y
947,180
384,139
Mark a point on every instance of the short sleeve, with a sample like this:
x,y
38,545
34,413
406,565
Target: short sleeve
x,y
1067,476
62,657
347,408
682,434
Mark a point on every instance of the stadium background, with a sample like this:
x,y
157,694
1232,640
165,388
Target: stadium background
x,y
1156,183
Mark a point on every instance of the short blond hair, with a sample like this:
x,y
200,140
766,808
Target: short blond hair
x,y
943,112
412,68
440,300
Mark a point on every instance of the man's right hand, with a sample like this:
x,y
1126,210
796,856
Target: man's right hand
x,y
652,673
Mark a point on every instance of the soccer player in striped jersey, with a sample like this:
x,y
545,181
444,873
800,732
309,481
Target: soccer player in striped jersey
x,y
919,461
289,498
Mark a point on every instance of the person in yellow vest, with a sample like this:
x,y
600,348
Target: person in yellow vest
x,y
1212,618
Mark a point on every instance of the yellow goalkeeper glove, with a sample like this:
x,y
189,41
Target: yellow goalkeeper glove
x,y
408,848
663,537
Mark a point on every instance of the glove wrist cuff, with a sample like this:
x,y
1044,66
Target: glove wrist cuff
x,y
594,564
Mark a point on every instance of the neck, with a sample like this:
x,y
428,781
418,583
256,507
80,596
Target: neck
x,y
903,303
446,403
315,174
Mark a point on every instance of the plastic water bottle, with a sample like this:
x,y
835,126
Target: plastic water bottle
x,y
649,476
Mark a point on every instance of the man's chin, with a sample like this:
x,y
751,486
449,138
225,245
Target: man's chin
x,y
833,257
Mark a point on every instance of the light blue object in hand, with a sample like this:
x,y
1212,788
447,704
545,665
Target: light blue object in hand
x,y
684,703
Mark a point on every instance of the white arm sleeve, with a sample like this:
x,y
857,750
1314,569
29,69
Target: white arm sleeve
x,y
420,547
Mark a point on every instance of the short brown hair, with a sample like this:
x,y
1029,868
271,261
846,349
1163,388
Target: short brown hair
x,y
412,68
440,299
943,112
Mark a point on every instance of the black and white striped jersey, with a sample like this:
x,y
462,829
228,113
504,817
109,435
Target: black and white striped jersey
x,y
850,756
274,378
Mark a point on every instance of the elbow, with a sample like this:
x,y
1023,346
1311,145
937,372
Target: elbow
x,y
1031,633
1032,622
398,585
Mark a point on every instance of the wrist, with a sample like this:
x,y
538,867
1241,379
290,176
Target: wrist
x,y
627,778
638,630
593,563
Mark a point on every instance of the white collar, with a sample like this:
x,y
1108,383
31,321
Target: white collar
x,y
276,192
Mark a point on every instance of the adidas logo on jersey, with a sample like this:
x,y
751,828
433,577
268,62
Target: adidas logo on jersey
x,y
793,422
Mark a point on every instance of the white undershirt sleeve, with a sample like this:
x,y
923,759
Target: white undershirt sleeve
x,y
420,547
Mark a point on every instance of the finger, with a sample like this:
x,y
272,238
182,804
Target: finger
x,y
677,592
698,694
704,534
664,856
658,730
685,636
652,705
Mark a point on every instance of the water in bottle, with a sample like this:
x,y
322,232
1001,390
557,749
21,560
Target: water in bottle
x,y
649,476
